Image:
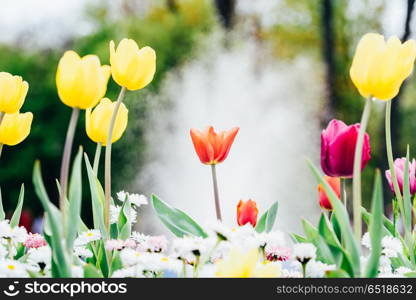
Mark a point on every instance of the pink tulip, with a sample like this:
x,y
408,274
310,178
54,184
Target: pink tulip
x,y
338,142
399,165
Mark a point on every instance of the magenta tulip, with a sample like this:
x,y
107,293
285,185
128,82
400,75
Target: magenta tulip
x,y
338,142
399,164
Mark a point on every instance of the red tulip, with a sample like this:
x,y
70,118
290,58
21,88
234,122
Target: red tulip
x,y
247,212
335,184
212,148
338,142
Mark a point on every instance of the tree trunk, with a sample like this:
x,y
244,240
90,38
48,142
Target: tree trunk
x,y
328,53
226,10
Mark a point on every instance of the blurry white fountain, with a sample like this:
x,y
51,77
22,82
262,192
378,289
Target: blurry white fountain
x,y
275,105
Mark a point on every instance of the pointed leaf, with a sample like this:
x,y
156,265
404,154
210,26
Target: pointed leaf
x,y
176,220
376,228
14,221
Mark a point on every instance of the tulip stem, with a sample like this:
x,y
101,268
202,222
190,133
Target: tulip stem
x,y
108,159
65,161
216,196
343,192
389,149
356,181
97,158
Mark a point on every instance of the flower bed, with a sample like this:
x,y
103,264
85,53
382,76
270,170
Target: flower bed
x,y
333,248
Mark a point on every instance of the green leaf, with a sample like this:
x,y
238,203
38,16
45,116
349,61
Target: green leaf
x,y
176,220
58,254
337,274
327,232
387,224
96,198
376,225
2,214
298,238
323,252
341,214
91,272
268,219
75,197
14,221
125,222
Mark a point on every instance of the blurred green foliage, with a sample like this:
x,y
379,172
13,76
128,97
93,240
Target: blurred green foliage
x,y
172,28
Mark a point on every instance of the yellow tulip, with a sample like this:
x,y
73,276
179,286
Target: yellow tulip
x,y
379,67
81,81
131,67
13,90
15,128
97,121
246,264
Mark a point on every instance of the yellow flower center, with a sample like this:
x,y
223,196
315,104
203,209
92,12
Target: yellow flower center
x,y
11,267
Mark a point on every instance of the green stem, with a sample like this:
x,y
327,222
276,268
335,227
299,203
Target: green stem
x,y
343,192
356,180
97,158
2,114
390,157
66,156
304,269
108,160
216,194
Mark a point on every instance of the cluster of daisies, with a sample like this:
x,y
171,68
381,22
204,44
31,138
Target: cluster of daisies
x,y
225,252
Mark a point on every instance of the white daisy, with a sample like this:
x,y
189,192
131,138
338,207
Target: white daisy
x,y
87,237
391,246
83,252
317,269
137,199
12,268
40,256
304,252
122,196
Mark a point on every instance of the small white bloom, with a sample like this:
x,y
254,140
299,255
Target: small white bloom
x,y
114,213
272,239
304,252
366,240
130,257
246,237
5,230
286,273
218,230
130,272
41,255
137,199
391,246
384,265
87,237
12,268
403,270
317,269
188,248
122,196
83,252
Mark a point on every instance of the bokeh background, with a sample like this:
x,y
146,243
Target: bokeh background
x,y
276,68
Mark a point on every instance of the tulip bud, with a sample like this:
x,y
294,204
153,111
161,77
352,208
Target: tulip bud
x,y
131,67
338,142
399,165
15,128
379,68
81,82
97,121
211,147
247,213
335,184
13,90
